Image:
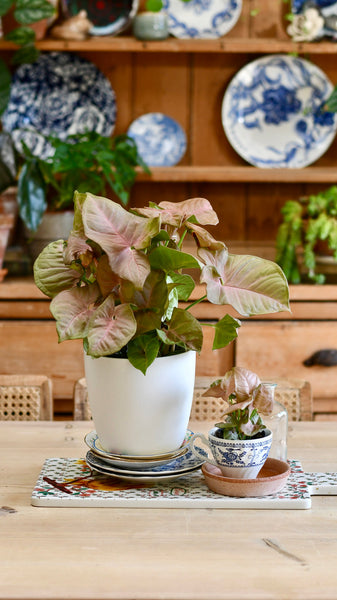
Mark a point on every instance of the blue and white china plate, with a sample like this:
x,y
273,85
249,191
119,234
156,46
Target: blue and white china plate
x,y
160,140
61,94
134,462
108,18
272,116
208,19
175,468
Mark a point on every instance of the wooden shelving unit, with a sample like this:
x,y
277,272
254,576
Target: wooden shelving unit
x,y
187,80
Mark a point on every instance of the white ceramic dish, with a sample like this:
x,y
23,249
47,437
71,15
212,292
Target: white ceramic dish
x,y
133,462
207,19
176,468
160,140
272,116
61,94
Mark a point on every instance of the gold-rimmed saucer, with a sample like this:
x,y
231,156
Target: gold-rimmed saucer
x,y
136,462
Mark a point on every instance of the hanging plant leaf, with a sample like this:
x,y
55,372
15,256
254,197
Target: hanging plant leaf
x,y
31,195
31,11
5,86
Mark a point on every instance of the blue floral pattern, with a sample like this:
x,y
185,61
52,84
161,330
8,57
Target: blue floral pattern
x,y
60,94
202,18
160,140
273,115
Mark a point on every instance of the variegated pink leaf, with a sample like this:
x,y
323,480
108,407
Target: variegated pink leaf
x,y
177,213
111,327
72,310
50,273
250,284
121,235
205,239
264,399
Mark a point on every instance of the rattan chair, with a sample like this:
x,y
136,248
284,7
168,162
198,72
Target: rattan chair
x,y
26,398
294,394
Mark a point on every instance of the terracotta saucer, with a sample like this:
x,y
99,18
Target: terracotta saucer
x,y
271,479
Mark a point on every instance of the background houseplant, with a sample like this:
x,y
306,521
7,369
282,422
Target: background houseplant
x,y
307,223
116,283
87,161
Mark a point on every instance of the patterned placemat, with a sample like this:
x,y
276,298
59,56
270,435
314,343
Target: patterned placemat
x,y
322,484
69,482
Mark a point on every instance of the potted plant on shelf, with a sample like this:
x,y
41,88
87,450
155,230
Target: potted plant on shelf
x,y
116,283
87,161
152,23
309,226
24,22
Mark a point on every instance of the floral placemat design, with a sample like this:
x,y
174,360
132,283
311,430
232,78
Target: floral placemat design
x,y
322,484
70,482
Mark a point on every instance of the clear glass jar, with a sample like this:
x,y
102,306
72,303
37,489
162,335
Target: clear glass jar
x,y
277,422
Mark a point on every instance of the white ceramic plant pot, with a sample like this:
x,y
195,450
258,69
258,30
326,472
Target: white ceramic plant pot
x,y
238,459
141,414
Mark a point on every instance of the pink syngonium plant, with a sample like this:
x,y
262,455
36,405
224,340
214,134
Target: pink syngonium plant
x,y
246,397
117,281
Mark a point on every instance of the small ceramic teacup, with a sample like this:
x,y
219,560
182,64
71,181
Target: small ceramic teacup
x,y
239,459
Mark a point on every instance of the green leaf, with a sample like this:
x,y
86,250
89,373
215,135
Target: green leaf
x,y
31,195
51,275
147,320
26,54
30,11
143,350
225,331
185,330
168,259
185,285
21,36
154,5
5,5
331,103
5,86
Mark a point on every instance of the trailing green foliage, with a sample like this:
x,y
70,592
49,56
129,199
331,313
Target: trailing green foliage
x,y
84,162
306,222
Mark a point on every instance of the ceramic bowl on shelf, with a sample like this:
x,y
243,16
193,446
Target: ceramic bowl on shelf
x,y
207,19
160,140
272,112
61,94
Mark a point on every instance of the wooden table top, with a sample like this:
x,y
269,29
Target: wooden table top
x,y
166,554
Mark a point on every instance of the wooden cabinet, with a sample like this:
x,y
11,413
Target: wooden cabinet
x,y
275,345
187,79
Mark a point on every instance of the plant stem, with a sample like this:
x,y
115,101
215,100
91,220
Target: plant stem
x,y
196,302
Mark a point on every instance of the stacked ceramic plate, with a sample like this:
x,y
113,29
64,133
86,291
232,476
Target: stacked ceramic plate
x,y
142,468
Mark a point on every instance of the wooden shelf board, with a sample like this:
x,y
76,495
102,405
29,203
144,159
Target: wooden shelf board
x,y
239,174
226,45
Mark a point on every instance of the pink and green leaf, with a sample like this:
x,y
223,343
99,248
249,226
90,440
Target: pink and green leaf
x,y
110,328
72,310
51,275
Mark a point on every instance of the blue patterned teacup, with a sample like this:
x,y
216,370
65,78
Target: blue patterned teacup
x,y
235,458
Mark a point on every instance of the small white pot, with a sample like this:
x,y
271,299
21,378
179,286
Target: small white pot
x,y
141,414
239,459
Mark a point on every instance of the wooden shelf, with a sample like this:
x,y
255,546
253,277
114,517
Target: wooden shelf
x,y
239,174
221,45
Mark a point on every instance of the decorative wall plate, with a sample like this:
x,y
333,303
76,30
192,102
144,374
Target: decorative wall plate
x,y
133,462
60,94
207,19
175,468
107,17
160,140
272,112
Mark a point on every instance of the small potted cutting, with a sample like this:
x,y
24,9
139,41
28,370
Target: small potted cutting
x,y
241,442
117,283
